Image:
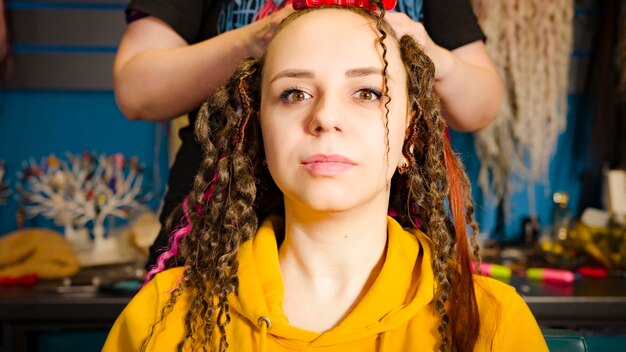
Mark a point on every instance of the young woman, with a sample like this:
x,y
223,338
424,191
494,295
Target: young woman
x,y
336,127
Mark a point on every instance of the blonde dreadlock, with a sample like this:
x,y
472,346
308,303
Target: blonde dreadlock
x,y
530,42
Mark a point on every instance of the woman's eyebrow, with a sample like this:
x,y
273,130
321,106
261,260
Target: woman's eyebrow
x,y
365,71
293,74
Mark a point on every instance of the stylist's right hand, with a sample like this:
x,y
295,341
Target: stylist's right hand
x,y
257,35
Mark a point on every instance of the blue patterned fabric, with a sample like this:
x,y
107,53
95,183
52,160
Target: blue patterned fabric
x,y
413,8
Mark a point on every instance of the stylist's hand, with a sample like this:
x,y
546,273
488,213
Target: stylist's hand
x,y
404,25
257,35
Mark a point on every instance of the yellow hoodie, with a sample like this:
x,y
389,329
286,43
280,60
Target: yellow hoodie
x,y
397,314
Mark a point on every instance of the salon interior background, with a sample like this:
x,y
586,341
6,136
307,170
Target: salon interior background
x,y
59,100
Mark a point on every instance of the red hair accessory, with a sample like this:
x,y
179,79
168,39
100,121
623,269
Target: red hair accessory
x,y
302,4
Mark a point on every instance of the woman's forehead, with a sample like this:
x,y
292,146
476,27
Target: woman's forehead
x,y
328,37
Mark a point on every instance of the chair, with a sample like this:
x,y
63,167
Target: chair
x,y
561,340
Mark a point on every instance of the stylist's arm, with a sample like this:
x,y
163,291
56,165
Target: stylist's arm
x,y
465,78
158,76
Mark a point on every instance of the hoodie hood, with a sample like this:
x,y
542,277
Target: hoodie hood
x,y
404,286
396,314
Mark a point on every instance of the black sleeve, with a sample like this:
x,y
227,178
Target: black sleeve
x,y
184,16
179,184
451,23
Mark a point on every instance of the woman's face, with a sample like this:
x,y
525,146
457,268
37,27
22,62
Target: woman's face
x,y
323,115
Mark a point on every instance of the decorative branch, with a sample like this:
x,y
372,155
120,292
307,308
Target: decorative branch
x,y
82,190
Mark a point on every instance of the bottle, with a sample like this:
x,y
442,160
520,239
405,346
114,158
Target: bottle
x,y
561,217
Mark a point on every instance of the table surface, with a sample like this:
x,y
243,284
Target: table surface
x,y
586,302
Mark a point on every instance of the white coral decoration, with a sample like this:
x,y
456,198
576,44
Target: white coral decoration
x,y
83,190
117,191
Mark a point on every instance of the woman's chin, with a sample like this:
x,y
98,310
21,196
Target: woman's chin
x,y
328,203
328,206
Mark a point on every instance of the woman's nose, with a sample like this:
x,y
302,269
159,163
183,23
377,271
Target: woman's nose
x,y
327,115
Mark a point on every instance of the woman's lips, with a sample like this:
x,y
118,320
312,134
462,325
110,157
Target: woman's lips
x,y
327,165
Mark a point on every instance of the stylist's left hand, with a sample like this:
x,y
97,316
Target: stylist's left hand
x,y
404,25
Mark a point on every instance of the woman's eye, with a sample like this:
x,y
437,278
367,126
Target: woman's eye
x,y
368,94
294,96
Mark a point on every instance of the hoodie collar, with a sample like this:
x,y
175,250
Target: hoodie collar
x,y
404,285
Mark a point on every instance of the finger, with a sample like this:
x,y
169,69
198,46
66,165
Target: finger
x,y
287,10
281,14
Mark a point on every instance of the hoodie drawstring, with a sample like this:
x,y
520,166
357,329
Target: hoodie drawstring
x,y
265,323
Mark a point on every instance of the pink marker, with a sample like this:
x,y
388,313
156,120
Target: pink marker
x,y
550,275
493,270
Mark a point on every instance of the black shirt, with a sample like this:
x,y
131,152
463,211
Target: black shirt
x,y
450,23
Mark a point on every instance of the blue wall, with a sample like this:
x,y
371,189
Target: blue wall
x,y
565,174
34,124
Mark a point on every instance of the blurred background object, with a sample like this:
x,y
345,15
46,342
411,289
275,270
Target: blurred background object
x,y
40,252
5,191
85,190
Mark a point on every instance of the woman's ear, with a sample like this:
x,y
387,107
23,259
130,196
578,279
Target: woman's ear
x,y
409,122
403,165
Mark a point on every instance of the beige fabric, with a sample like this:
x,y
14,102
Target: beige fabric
x,y
144,231
36,251
174,139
